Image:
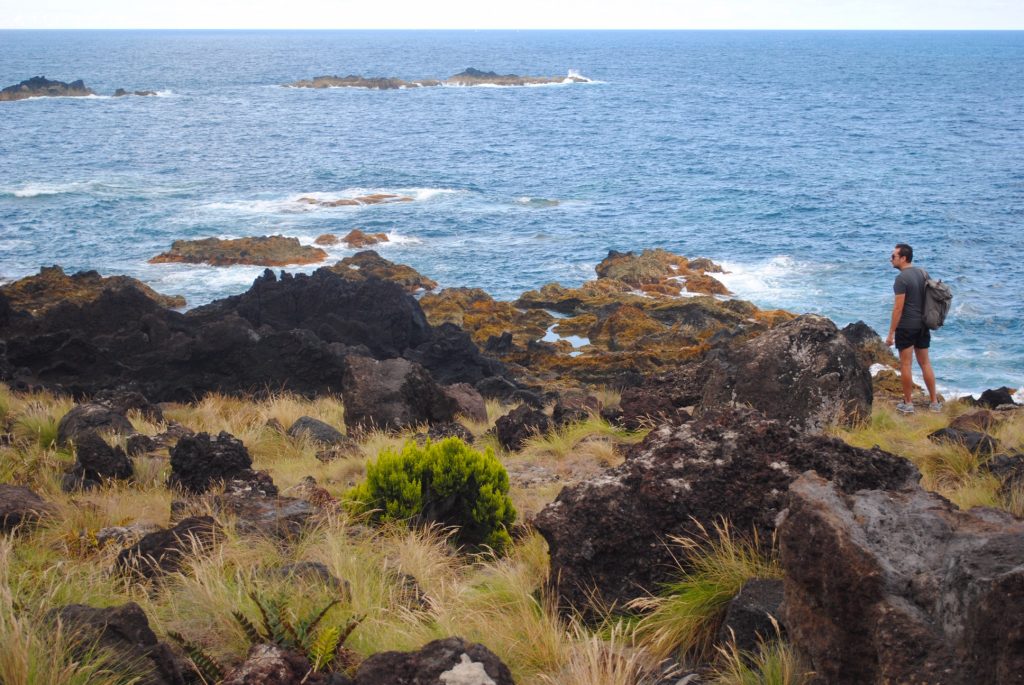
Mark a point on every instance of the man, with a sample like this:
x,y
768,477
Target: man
x,y
907,327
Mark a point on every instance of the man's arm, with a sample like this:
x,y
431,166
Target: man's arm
x,y
897,312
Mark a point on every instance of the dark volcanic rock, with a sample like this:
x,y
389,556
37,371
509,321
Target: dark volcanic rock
x,y
974,441
40,86
51,286
124,631
198,462
95,463
282,517
290,333
20,506
468,401
89,418
269,664
609,533
392,394
441,662
317,431
997,397
748,618
165,551
519,425
802,372
1008,468
902,587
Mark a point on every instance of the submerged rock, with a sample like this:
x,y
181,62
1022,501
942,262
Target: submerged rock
x,y
372,199
275,250
885,586
607,536
40,86
476,77
356,238
121,92
38,294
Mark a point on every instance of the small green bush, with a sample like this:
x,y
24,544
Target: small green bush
x,y
446,482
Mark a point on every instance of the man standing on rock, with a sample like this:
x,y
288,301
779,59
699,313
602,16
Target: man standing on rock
x,y
907,327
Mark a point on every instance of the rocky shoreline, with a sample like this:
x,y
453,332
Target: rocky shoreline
x,y
40,87
881,579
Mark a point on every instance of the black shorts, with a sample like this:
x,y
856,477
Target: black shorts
x,y
919,338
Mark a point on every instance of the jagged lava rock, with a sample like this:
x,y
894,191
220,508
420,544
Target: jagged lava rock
x,y
95,463
40,86
803,372
748,617
124,631
198,462
468,401
476,77
610,533
522,423
886,586
451,661
275,250
392,394
51,286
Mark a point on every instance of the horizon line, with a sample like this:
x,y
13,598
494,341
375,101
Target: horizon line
x,y
609,30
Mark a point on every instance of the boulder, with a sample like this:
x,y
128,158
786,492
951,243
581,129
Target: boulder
x,y
275,250
122,401
85,419
749,615
19,506
451,661
609,534
317,431
974,441
280,517
871,349
802,372
982,420
124,631
574,407
900,586
327,239
1009,469
392,394
476,77
165,551
40,86
96,462
997,397
440,431
469,403
38,294
199,462
519,425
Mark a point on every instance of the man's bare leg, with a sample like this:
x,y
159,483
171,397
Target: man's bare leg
x,y
906,363
926,370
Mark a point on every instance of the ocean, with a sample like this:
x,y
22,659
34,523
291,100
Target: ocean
x,y
795,159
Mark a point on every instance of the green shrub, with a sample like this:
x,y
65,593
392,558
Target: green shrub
x,y
446,482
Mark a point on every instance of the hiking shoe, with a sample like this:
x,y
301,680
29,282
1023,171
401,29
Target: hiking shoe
x,y
905,408
935,407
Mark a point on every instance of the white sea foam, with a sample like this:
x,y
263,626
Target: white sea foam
x,y
1018,396
292,204
105,188
774,280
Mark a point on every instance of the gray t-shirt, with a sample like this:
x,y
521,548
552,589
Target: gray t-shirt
x,y
910,282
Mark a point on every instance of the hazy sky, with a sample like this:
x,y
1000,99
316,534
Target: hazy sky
x,y
522,14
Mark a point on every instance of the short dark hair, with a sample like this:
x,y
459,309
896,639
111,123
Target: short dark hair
x,y
905,251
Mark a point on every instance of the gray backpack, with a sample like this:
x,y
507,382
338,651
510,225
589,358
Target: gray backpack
x,y
937,298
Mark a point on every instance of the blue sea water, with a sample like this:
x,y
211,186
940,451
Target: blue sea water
x,y
796,159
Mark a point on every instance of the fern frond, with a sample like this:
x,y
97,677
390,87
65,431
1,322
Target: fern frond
x,y
324,648
307,626
251,632
349,627
205,665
